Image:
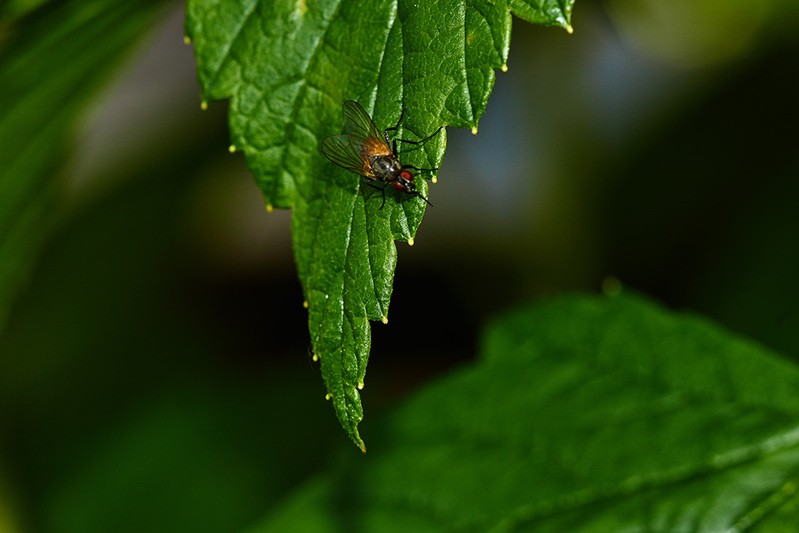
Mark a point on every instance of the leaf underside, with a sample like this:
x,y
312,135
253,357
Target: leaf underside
x,y
287,67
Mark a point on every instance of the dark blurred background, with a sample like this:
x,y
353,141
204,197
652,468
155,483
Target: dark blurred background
x,y
155,374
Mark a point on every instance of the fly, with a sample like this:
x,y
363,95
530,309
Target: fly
x,y
362,149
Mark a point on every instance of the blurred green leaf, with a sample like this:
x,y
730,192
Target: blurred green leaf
x,y
193,459
121,386
50,61
589,414
287,67
13,9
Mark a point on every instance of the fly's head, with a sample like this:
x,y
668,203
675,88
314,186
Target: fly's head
x,y
405,182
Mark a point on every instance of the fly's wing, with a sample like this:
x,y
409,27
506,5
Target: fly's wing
x,y
360,143
358,122
363,133
343,152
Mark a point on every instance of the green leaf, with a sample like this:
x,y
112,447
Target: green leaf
x,y
545,12
584,414
287,66
50,61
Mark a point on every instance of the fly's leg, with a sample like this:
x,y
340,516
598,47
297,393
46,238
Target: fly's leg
x,y
379,188
423,197
393,143
417,169
420,141
415,143
383,192
396,126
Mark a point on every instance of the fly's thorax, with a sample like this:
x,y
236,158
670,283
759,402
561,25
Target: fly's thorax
x,y
386,167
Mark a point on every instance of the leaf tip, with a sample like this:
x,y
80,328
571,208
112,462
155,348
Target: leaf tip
x,y
504,67
232,148
361,385
269,208
410,241
186,40
315,358
434,179
328,396
204,105
474,130
305,304
384,320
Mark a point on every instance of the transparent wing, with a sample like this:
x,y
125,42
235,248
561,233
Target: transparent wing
x,y
358,122
360,142
341,150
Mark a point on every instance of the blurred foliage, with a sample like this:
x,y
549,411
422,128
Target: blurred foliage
x,y
118,412
715,216
50,61
584,413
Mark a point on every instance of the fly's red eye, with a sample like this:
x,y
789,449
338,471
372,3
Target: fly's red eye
x,y
399,186
405,174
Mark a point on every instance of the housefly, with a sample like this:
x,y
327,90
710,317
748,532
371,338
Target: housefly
x,y
362,149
